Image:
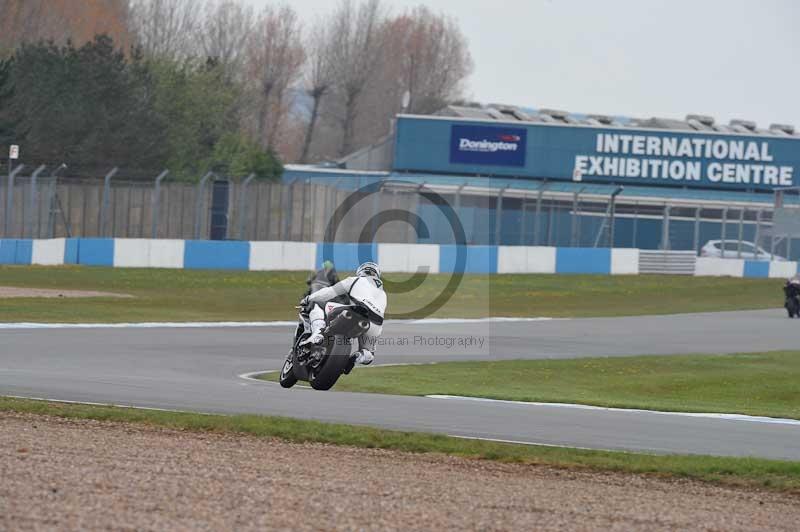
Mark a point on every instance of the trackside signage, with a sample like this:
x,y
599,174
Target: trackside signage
x,y
624,155
684,159
487,145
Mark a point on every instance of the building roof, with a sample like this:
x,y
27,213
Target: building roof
x,y
692,122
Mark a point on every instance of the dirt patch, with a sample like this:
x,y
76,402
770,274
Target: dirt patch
x,y
88,475
12,291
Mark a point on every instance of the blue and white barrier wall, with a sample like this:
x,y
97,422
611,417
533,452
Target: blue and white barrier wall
x,y
718,267
304,256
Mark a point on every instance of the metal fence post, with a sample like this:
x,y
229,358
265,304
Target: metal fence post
x,y
722,231
696,239
10,198
757,235
106,198
417,204
376,208
51,191
772,243
536,222
32,201
613,215
665,228
289,205
498,216
55,205
741,234
457,208
243,204
198,204
573,237
155,202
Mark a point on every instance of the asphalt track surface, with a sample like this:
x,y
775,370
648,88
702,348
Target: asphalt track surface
x,y
199,369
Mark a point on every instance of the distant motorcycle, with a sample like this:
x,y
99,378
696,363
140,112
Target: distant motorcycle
x,y
792,305
792,292
322,365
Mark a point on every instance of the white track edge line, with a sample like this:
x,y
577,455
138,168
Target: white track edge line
x,y
252,375
247,376
711,415
133,407
234,324
540,444
148,325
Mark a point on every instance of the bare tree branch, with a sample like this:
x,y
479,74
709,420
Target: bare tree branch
x,y
224,32
320,77
357,48
275,59
165,28
432,58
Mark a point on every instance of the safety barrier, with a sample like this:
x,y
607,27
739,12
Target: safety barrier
x,y
303,256
744,268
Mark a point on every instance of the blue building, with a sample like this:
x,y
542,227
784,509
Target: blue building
x,y
523,177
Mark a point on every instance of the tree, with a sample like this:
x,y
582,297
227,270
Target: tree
x,y
430,57
86,106
236,155
276,56
320,77
6,94
224,32
197,105
165,29
357,48
29,21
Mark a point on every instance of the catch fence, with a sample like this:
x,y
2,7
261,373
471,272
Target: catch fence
x,y
220,208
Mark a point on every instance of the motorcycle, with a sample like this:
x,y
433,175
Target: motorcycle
x,y
792,306
322,365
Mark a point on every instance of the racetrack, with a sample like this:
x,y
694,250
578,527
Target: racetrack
x,y
199,369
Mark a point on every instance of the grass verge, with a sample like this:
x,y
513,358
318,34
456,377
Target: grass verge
x,y
747,472
209,295
760,384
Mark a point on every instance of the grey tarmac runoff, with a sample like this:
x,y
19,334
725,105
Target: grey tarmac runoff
x,y
200,369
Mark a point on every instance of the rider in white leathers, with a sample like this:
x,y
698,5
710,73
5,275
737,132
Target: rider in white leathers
x,y
366,290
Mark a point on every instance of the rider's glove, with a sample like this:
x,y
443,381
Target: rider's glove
x,y
304,302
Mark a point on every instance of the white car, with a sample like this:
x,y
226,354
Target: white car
x,y
713,248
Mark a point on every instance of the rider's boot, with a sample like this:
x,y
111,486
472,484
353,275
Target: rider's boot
x,y
364,357
317,322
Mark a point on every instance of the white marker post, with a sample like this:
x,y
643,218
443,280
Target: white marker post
x,y
13,155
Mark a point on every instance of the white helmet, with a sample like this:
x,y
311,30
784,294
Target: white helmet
x,y
369,269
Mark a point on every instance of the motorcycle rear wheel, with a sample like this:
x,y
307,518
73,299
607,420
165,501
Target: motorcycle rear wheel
x,y
329,371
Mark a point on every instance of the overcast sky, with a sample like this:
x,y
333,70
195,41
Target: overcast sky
x,y
666,58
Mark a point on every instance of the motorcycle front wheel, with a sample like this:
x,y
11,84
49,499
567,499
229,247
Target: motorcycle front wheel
x,y
287,378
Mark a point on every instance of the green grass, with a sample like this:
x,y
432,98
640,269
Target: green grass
x,y
762,384
207,295
748,472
